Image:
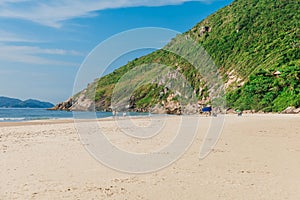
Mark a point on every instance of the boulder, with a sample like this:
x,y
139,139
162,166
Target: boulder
x,y
297,110
230,111
291,110
190,109
249,111
157,109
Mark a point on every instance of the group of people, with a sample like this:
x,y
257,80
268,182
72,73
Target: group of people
x,y
116,113
209,111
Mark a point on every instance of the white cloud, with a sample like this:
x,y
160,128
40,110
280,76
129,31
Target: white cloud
x,y
34,55
53,13
12,37
30,54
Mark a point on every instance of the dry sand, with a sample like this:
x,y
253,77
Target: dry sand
x,y
257,157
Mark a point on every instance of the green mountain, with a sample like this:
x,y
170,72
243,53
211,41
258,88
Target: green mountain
x,y
255,46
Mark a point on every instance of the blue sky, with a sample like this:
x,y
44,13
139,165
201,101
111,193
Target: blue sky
x,y
43,43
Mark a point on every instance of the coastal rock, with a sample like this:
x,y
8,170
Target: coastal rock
x,y
157,109
171,106
190,109
249,111
66,105
291,110
230,111
297,110
79,103
82,103
173,110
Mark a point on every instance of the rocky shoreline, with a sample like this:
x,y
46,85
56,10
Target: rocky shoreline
x,y
84,104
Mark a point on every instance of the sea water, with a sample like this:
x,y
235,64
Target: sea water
x,y
27,114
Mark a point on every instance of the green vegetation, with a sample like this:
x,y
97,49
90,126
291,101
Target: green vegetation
x,y
147,96
256,38
250,38
253,34
268,92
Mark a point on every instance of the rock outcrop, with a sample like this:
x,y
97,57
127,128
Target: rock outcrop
x,y
80,103
66,105
291,110
203,30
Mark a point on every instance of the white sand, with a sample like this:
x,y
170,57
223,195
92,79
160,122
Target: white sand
x,y
257,157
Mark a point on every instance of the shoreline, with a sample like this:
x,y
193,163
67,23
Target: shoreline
x,y
72,120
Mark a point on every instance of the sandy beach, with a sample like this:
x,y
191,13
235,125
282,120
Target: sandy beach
x,y
256,157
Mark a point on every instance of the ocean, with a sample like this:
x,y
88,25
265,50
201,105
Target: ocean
x,y
28,114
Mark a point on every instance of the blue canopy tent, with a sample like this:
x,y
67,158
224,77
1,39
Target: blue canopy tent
x,y
206,109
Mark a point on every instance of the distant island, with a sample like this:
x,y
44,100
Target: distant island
x,y
6,102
